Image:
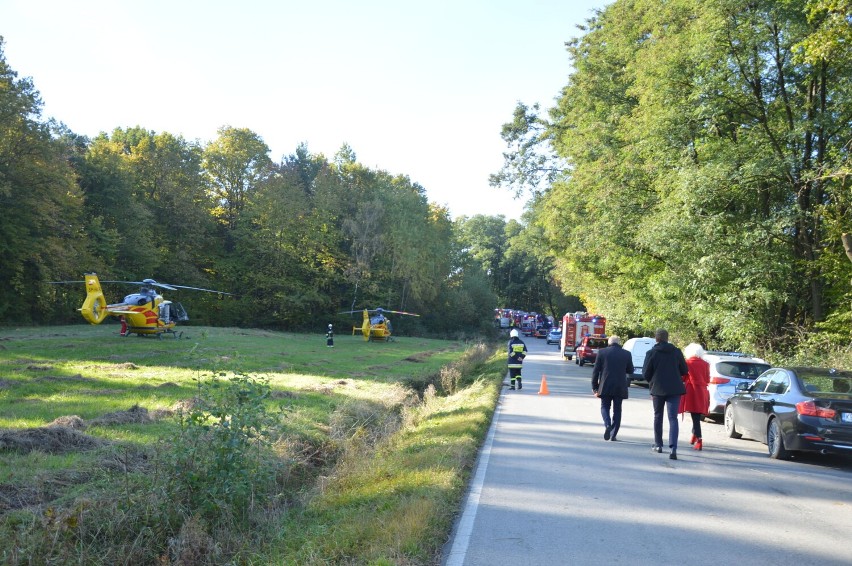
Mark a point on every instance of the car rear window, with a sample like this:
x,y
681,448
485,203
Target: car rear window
x,y
743,370
823,383
597,343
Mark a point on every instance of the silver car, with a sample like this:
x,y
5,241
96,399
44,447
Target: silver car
x,y
727,370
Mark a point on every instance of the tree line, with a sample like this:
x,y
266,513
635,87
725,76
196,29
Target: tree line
x,y
694,170
296,241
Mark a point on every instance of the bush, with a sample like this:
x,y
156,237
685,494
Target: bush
x,y
222,460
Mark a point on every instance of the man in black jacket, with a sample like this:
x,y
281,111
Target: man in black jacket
x,y
609,382
664,371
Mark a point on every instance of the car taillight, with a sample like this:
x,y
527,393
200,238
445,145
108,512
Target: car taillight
x,y
719,380
810,409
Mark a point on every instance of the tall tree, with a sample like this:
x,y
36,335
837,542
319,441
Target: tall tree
x,y
696,140
236,162
41,233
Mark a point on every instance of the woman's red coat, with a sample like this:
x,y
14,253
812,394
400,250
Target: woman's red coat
x,y
696,399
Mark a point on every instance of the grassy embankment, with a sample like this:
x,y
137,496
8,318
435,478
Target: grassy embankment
x,y
231,445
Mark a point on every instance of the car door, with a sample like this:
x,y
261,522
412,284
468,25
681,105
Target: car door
x,y
766,402
747,404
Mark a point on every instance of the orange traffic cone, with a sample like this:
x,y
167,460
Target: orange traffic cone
x,y
543,389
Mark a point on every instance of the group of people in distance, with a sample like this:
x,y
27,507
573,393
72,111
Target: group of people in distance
x,y
677,383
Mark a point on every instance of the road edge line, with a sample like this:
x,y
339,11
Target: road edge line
x,y
458,552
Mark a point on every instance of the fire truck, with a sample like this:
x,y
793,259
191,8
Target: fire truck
x,y
575,326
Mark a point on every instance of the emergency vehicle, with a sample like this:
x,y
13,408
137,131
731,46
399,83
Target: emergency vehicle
x,y
575,326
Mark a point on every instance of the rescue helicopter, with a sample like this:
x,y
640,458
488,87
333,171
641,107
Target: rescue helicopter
x,y
142,313
376,326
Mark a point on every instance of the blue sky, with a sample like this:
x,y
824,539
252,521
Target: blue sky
x,y
419,89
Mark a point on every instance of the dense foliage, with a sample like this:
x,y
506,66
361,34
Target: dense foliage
x,y
296,242
705,149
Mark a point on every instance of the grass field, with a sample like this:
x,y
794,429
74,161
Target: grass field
x,y
234,446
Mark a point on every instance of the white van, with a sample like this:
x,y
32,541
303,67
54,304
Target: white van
x,y
638,348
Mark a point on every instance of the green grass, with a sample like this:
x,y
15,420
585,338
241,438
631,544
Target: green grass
x,y
368,461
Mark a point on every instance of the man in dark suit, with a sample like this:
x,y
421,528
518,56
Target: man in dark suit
x,y
609,382
664,371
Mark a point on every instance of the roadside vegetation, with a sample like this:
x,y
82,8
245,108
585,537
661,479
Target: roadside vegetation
x,y
235,446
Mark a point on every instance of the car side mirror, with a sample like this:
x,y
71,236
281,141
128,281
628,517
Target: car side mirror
x,y
742,386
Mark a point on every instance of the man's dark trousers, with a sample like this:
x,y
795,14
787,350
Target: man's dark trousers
x,y
615,423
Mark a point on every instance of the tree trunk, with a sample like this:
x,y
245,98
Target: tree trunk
x,y
847,244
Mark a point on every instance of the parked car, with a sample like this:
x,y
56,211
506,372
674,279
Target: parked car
x,y
554,336
541,331
727,370
638,348
792,409
587,351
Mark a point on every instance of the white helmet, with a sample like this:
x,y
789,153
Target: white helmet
x,y
329,327
514,333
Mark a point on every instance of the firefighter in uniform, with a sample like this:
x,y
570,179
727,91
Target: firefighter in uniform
x,y
329,337
517,353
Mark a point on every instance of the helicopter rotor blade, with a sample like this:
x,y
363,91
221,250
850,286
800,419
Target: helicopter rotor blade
x,y
379,310
197,289
149,282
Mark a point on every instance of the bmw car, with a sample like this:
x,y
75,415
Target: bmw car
x,y
794,409
554,336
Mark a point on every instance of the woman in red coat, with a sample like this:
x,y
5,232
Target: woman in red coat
x,y
696,400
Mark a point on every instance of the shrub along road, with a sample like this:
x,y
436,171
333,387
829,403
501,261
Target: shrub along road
x,y
548,489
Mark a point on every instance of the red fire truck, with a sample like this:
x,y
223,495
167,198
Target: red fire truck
x,y
575,326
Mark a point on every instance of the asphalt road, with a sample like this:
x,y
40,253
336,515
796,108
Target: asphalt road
x,y
547,488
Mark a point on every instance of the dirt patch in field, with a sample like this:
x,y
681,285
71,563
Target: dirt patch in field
x,y
419,357
40,492
147,387
50,439
186,405
70,421
64,434
283,395
133,415
39,367
6,383
102,392
64,378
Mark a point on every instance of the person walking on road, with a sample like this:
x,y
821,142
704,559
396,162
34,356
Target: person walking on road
x,y
665,367
696,400
609,382
517,353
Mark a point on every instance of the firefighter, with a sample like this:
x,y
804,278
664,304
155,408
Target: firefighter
x,y
517,353
329,337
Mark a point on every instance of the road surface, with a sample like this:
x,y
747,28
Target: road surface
x,y
547,489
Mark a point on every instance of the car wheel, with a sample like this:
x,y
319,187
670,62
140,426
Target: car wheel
x,y
775,441
730,426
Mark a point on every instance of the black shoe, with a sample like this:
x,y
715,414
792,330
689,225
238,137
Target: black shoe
x,y
613,439
657,449
673,456
520,385
606,432
512,388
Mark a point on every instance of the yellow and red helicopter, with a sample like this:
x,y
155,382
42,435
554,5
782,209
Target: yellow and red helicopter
x,y
142,313
375,325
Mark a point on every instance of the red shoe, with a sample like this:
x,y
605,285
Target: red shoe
x,y
694,438
698,445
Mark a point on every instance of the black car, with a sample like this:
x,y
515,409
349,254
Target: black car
x,y
792,409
